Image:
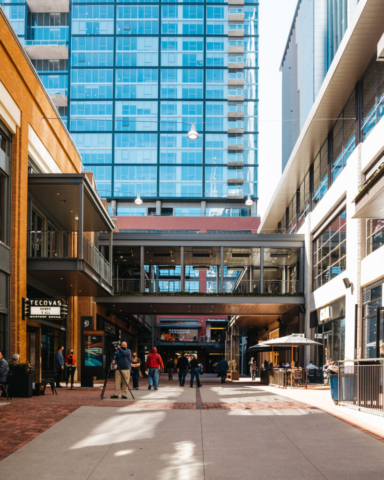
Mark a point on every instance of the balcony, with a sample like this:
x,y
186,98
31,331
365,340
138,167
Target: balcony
x,y
47,49
66,259
48,6
234,286
370,200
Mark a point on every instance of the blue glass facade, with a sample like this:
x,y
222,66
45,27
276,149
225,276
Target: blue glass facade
x,y
138,75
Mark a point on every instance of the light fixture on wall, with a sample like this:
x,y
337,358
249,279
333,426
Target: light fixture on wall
x,y
192,134
138,200
347,283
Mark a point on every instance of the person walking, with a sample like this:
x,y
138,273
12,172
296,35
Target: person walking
x,y
154,364
182,369
123,360
135,370
253,366
4,368
170,365
70,363
59,365
195,371
223,368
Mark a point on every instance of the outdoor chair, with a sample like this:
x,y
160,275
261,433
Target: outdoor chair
x,y
50,379
4,389
312,375
298,377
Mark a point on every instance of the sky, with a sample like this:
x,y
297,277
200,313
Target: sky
x,y
275,19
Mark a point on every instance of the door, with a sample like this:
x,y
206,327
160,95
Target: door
x,y
327,347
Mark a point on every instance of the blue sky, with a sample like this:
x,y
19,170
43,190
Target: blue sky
x,y
275,19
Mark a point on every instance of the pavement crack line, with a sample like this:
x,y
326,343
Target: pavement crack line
x,y
297,448
101,459
202,443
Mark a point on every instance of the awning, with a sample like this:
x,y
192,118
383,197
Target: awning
x,y
58,193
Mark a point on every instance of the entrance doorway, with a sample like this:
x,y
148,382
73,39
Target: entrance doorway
x,y
332,336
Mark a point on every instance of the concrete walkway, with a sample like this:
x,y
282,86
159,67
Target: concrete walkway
x,y
241,432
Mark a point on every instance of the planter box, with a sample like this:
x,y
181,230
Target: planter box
x,y
20,385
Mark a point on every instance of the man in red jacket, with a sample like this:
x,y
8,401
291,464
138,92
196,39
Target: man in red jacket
x,y
154,364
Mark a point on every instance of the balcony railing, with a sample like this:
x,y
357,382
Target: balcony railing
x,y
58,244
233,286
361,384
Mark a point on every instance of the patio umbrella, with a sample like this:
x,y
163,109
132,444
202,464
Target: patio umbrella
x,y
292,340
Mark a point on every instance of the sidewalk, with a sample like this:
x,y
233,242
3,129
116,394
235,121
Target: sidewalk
x,y
235,431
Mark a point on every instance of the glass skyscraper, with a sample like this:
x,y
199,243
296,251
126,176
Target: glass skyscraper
x,y
130,79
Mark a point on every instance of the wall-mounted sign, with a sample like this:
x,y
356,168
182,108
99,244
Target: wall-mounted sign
x,y
44,308
325,314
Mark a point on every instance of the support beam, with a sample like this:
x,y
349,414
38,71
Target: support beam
x,y
182,269
80,232
301,271
250,279
261,269
142,278
222,268
110,247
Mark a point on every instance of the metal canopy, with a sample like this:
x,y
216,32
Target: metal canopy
x,y
59,194
289,340
370,202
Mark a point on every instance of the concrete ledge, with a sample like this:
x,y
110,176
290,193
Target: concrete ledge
x,y
236,65
235,148
235,164
235,114
235,49
235,181
48,6
236,17
235,2
59,100
47,52
236,81
235,130
236,33
235,98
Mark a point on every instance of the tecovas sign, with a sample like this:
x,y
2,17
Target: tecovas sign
x,y
35,308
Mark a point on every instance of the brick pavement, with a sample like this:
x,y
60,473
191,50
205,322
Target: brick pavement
x,y
23,419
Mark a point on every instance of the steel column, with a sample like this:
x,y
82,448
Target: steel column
x,y
261,269
222,268
142,278
182,268
80,233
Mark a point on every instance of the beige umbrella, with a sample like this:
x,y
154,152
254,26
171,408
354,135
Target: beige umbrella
x,y
295,340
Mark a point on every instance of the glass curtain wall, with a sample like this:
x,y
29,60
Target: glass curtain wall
x,y
139,74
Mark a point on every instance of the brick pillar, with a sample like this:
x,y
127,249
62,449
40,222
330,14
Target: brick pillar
x,y
19,199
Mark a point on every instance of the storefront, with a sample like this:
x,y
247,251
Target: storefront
x,y
328,325
372,311
46,331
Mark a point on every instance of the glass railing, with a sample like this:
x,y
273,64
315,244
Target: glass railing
x,y
57,244
34,43
236,287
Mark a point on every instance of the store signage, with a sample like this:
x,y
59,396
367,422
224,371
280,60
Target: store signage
x,y
325,314
52,309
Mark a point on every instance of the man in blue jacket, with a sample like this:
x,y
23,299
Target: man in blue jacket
x,y
223,367
59,365
123,360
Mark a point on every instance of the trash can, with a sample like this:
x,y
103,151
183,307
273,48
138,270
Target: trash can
x,y
334,384
38,389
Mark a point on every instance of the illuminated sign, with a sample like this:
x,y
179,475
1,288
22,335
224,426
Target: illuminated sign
x,y
52,309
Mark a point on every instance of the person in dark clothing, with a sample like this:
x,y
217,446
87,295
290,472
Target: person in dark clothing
x,y
195,371
59,365
169,366
223,367
135,368
182,369
4,368
123,359
70,363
